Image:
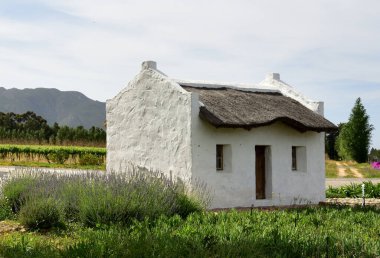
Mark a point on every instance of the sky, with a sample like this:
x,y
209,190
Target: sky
x,y
328,50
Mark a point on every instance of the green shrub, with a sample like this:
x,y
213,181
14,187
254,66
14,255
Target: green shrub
x,y
354,191
16,189
186,205
5,209
41,213
90,159
60,156
98,206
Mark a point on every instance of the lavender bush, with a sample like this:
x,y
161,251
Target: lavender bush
x,y
94,198
41,213
375,165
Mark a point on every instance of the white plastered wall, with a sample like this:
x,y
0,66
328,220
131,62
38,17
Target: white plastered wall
x,y
148,124
154,123
236,188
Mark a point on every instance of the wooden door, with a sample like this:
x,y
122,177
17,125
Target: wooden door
x,y
260,172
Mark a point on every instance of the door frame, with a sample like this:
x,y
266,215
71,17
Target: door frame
x,y
260,171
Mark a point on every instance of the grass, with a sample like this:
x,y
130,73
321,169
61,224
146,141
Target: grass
x,y
51,165
363,168
331,169
307,232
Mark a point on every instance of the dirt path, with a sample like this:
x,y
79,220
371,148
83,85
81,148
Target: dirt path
x,y
10,226
341,169
354,171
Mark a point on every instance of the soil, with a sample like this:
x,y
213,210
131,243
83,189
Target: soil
x,y
353,201
7,226
341,170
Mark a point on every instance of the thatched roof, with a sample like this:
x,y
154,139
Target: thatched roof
x,y
233,108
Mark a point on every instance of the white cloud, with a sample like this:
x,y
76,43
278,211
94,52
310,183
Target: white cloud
x,y
96,46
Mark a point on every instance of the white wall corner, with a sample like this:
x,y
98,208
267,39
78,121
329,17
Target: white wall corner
x,y
193,128
321,108
273,76
152,65
273,81
149,65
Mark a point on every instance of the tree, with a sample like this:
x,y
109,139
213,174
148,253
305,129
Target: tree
x,y
355,136
29,127
374,155
331,143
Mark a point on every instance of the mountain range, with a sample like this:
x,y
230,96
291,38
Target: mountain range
x,y
70,108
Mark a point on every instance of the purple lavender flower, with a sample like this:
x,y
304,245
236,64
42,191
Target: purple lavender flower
x,y
375,165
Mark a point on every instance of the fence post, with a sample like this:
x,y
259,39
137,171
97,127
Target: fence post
x,y
363,195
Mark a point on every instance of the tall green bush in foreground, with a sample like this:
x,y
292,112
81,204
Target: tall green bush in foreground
x,y
95,199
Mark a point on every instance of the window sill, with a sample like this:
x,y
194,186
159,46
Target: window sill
x,y
299,171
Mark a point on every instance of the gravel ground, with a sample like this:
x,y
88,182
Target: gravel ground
x,y
6,171
353,201
336,182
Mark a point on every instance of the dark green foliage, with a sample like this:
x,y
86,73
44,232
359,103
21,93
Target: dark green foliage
x,y
30,128
331,143
354,191
5,209
90,159
355,136
186,205
58,157
58,154
41,213
374,155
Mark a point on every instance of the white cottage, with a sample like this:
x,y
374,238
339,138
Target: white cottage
x,y
258,145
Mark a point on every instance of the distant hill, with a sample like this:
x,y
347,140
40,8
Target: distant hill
x,y
70,108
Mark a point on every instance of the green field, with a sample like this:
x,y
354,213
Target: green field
x,y
363,168
52,156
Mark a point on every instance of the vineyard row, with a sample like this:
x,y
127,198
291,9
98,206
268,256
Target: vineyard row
x,y
56,154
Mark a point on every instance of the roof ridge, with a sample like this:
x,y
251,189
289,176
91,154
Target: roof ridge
x,y
219,85
233,88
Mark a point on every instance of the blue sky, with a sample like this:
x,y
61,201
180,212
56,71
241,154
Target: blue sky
x,y
328,50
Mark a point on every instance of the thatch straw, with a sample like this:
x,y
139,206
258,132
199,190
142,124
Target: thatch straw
x,y
232,108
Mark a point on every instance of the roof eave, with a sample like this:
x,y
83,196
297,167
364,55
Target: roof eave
x,y
205,114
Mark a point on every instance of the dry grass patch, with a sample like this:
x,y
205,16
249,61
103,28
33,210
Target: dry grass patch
x,y
8,226
331,169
